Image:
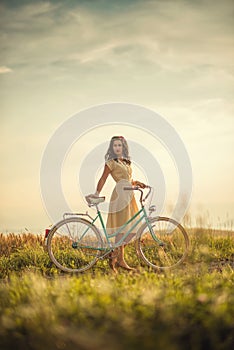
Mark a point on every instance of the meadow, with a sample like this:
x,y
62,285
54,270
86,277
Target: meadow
x,y
191,307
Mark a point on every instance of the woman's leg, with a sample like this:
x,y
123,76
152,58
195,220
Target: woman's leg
x,y
117,256
113,258
121,260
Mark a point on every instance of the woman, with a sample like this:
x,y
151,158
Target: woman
x,y
122,203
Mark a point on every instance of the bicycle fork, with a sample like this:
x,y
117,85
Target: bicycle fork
x,y
161,244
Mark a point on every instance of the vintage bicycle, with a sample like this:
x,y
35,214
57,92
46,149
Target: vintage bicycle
x,y
75,243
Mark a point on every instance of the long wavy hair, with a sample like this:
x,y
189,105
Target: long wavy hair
x,y
110,152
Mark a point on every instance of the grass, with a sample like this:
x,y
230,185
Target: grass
x,y
191,307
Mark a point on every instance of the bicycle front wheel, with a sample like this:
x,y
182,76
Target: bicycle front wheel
x,y
74,245
166,246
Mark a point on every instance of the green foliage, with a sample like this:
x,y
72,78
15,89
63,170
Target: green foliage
x,y
191,307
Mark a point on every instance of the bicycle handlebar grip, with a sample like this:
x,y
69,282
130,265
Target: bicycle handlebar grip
x,y
131,188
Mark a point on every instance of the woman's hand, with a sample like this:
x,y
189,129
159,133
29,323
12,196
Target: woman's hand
x,y
96,194
138,183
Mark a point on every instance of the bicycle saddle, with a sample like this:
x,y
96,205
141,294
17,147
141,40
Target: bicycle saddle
x,y
94,200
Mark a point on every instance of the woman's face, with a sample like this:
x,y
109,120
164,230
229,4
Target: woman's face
x,y
118,147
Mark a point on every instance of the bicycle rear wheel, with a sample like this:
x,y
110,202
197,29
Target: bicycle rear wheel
x,y
167,247
74,245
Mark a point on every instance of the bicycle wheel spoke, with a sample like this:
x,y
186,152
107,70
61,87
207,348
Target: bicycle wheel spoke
x,y
166,247
74,245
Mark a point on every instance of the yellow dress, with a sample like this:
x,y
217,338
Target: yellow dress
x,y
122,202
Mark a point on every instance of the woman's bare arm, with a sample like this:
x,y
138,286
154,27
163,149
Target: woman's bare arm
x,y
103,178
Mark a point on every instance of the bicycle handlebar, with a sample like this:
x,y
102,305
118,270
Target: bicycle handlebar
x,y
135,187
132,188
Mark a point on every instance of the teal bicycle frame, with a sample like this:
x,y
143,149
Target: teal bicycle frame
x,y
99,215
121,241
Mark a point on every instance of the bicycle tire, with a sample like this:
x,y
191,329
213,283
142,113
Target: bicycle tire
x,y
172,250
70,249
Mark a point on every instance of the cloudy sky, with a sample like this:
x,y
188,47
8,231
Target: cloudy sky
x,y
60,57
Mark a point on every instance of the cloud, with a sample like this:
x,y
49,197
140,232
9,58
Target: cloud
x,y
4,69
165,35
184,47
